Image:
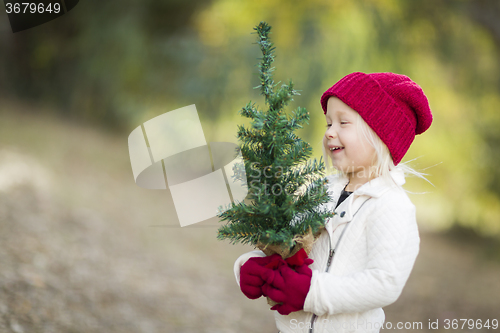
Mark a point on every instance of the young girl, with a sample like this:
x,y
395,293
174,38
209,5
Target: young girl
x,y
364,256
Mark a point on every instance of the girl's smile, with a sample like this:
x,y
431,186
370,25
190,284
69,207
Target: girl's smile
x,y
335,149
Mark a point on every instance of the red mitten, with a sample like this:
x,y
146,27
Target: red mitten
x,y
288,287
251,275
298,259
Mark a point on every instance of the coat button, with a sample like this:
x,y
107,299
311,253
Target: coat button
x,y
342,214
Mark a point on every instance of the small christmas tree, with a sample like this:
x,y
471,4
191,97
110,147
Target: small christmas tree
x,y
284,214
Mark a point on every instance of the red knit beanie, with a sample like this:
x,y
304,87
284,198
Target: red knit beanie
x,y
393,105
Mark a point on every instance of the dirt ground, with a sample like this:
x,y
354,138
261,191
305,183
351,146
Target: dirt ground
x,y
83,249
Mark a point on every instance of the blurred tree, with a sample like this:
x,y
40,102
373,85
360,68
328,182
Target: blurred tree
x,y
101,60
466,39
487,14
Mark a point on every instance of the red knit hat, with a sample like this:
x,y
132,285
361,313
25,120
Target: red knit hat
x,y
393,105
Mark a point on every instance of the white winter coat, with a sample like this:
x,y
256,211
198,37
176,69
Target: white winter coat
x,y
370,264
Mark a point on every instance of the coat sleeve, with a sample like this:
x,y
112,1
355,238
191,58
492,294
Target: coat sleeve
x,y
392,247
242,260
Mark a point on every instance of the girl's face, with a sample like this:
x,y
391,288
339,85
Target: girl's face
x,y
349,150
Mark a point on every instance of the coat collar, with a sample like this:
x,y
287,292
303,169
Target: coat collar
x,y
376,187
373,189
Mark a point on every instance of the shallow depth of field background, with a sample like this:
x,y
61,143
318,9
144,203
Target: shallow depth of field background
x,y
83,249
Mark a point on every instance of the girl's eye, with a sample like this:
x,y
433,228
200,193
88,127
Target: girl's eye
x,y
341,123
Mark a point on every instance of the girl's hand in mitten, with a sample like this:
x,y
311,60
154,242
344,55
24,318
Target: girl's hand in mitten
x,y
288,287
251,275
298,259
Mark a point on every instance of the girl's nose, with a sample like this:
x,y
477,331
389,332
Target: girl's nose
x,y
331,133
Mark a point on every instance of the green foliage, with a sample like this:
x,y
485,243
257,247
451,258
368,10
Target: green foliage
x,y
102,62
117,64
272,155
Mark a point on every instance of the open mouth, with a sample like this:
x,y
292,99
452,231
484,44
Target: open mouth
x,y
336,148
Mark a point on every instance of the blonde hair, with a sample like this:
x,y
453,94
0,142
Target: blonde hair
x,y
382,161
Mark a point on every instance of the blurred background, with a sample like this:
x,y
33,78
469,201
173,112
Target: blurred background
x,y
84,249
